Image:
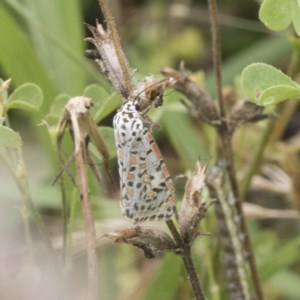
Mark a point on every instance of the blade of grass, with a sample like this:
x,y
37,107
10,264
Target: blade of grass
x,y
22,66
63,20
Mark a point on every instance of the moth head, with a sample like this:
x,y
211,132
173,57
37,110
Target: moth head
x,y
131,106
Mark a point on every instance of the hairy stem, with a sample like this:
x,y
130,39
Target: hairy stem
x,y
227,148
187,261
213,11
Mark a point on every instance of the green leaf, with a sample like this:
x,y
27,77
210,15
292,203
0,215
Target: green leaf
x,y
277,94
165,284
111,103
287,282
107,133
58,105
276,15
104,104
27,97
296,15
184,137
9,138
280,259
56,28
98,94
265,85
17,57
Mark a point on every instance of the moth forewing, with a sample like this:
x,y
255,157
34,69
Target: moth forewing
x,y
147,191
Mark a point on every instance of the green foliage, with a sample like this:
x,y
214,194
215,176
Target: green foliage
x,y
9,138
165,283
265,50
107,134
284,256
53,49
266,85
17,46
42,51
58,105
184,137
104,104
287,283
278,15
26,97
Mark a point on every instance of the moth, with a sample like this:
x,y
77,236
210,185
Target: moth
x,y
147,190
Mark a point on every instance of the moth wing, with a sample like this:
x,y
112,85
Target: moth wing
x,y
147,188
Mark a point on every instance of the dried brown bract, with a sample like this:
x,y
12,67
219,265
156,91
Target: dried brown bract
x,y
193,210
152,242
245,111
108,59
202,104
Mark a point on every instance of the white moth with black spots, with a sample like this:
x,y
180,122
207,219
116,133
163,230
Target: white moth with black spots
x,y
147,190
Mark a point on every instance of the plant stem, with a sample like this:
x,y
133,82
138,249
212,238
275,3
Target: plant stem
x,y
213,11
238,205
286,111
227,147
187,260
88,225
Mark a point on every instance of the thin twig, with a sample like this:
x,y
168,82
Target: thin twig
x,y
115,38
187,260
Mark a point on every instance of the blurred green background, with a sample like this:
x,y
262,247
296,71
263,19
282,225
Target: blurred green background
x,y
42,42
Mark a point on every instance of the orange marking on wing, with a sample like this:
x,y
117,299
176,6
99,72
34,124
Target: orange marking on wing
x,y
132,160
170,186
156,151
130,176
154,146
164,171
